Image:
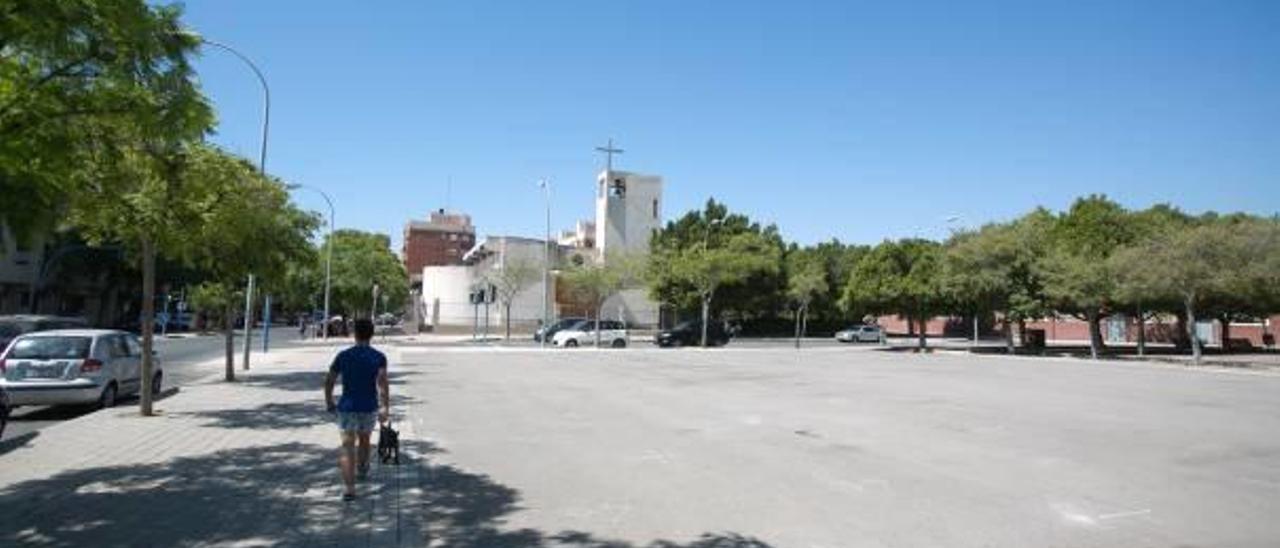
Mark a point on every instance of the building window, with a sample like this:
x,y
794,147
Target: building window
x,y
453,237
655,208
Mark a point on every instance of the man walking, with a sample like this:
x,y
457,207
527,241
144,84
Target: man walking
x,y
364,376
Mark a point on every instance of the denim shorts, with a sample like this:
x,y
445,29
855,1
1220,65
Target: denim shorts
x,y
356,421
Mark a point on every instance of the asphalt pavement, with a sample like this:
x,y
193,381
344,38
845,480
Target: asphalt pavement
x,y
849,446
186,360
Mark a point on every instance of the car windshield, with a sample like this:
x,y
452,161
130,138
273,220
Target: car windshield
x,y
686,325
51,348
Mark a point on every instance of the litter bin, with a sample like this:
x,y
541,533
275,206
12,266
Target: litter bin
x,y
1034,339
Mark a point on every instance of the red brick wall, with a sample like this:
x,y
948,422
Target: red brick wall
x,y
1251,331
423,248
1072,329
897,325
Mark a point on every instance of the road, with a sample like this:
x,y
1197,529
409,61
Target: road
x,y
182,358
843,447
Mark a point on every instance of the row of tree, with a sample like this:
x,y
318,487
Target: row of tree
x,y
1091,261
102,134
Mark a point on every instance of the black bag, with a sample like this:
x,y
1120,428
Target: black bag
x,y
388,444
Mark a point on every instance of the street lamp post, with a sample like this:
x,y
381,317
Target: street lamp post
x,y
546,265
266,98
262,167
328,261
951,221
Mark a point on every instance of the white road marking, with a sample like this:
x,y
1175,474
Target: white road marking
x,y
1130,514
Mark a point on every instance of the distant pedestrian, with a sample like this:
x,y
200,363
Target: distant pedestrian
x,y
364,376
302,328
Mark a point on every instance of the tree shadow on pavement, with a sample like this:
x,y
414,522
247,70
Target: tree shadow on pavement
x,y
271,416
305,381
278,416
13,442
279,495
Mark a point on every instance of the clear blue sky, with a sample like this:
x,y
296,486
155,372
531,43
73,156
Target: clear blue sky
x,y
855,120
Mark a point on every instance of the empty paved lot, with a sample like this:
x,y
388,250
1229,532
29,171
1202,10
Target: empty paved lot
x,y
848,447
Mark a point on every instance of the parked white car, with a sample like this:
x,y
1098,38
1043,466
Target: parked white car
x,y
861,333
74,366
612,334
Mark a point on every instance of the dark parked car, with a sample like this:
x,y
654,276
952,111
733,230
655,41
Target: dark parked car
x,y
689,333
550,331
13,326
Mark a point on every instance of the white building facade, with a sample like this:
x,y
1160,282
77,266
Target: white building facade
x,y
446,290
628,211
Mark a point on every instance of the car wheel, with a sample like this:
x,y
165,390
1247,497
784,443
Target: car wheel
x,y
108,397
619,343
156,383
571,343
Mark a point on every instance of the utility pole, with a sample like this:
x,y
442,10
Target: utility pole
x,y
488,296
546,266
248,322
266,323
262,163
475,313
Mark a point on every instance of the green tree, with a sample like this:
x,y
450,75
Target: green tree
x,y
995,269
302,289
248,227
838,260
594,282
806,281
704,268
1131,293
760,294
120,66
509,278
1079,279
902,277
362,260
1185,262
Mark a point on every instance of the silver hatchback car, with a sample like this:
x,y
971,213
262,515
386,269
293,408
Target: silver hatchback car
x,y
74,366
861,333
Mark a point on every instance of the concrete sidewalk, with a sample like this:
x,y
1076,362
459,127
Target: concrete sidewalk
x,y
251,463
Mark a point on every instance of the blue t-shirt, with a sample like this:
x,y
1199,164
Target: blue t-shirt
x,y
358,366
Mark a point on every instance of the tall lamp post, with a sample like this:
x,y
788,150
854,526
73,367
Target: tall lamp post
x,y
951,221
328,261
262,167
546,264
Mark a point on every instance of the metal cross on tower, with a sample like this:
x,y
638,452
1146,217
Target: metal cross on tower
x,y
609,151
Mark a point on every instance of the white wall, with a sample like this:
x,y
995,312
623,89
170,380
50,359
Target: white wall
x,y
634,307
625,222
527,307
445,292
450,286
